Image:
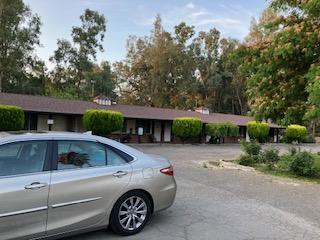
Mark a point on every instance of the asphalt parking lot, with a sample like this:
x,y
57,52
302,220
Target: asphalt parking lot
x,y
228,204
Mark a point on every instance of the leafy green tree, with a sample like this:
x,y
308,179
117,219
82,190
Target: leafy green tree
x,y
159,69
102,122
276,66
312,114
103,82
186,127
234,99
206,52
181,70
74,62
20,70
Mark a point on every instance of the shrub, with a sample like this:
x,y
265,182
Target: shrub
x,y
270,156
222,130
258,131
11,118
247,160
186,127
302,164
102,122
308,139
295,133
252,151
251,148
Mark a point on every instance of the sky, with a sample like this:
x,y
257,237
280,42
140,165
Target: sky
x,y
135,17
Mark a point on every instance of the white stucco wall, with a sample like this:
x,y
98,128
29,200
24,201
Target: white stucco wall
x,y
60,123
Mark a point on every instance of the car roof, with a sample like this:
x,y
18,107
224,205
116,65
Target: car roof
x,y
47,136
7,138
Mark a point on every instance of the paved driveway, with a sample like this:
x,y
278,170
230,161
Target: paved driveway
x,y
228,204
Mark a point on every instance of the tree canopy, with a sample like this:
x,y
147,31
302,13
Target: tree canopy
x,y
280,62
20,69
182,70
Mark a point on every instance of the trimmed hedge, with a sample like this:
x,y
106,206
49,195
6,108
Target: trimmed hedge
x,y
258,131
102,122
295,133
186,127
11,118
222,130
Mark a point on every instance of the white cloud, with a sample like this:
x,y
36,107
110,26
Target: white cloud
x,y
231,20
190,6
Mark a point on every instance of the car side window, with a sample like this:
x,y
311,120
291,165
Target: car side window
x,y
80,154
22,157
117,157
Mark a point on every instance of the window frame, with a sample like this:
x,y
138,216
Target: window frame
x,y
126,156
47,165
55,155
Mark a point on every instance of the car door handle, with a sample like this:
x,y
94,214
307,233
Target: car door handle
x,y
120,174
35,185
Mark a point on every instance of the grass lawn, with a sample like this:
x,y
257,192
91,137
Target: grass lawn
x,y
282,170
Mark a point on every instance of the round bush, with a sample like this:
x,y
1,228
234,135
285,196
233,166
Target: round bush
x,y
302,164
251,148
258,131
102,122
186,127
11,118
295,133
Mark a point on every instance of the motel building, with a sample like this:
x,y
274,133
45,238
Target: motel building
x,y
141,124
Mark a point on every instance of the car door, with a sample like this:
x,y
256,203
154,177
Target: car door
x,y
83,185
24,188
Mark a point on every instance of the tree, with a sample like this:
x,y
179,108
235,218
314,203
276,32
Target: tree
x,y
277,66
234,100
206,53
159,69
103,80
181,70
75,70
20,70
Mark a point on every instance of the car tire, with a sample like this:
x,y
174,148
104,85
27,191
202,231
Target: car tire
x,y
130,213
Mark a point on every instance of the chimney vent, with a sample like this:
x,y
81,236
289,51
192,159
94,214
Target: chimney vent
x,y
202,110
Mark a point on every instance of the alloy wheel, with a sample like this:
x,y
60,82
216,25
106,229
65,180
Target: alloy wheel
x,y
133,213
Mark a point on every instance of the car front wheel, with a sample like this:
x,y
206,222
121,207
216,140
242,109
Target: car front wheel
x,y
130,213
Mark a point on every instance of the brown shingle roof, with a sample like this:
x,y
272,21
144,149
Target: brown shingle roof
x,y
52,105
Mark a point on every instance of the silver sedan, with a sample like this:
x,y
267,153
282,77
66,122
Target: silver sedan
x,y
60,184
